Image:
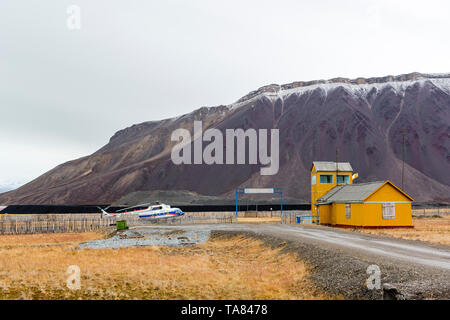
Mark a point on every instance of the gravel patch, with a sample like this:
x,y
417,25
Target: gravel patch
x,y
149,237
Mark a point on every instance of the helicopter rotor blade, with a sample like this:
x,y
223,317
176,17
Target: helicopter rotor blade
x,y
139,205
103,208
103,211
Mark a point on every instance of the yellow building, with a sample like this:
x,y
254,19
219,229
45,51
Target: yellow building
x,y
323,178
372,204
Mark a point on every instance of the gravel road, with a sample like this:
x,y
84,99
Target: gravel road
x,y
339,258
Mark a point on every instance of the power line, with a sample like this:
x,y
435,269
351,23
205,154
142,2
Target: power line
x,y
403,158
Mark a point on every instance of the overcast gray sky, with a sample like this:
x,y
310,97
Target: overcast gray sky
x,y
64,93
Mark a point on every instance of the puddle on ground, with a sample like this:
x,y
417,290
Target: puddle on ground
x,y
149,237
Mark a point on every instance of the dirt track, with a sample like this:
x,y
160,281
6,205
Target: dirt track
x,y
339,258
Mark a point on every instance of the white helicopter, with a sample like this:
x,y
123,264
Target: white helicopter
x,y
154,210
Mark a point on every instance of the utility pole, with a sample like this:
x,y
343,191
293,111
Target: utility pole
x,y
337,166
403,158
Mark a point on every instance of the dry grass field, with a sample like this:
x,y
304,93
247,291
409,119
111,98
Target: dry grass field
x,y
34,267
426,228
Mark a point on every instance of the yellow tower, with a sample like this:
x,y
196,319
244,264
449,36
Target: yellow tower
x,y
323,178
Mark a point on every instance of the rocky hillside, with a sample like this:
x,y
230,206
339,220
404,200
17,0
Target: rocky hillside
x,y
363,118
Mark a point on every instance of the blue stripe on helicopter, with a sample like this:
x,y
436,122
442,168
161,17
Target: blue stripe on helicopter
x,y
172,213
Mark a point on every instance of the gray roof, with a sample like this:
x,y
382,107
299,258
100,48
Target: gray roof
x,y
350,192
331,166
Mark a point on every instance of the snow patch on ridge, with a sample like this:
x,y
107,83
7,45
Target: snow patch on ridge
x,y
358,90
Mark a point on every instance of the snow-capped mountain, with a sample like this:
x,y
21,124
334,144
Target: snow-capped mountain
x,y
363,118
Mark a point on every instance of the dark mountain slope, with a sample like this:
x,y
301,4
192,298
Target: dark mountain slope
x,y
363,118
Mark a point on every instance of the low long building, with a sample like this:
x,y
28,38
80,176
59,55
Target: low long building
x,y
371,204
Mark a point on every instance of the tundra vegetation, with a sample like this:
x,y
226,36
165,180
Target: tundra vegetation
x,y
34,266
430,228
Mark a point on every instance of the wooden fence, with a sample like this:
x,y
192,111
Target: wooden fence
x,y
58,223
186,219
431,211
20,224
290,217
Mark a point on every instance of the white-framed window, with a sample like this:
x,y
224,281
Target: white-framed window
x,y
388,210
348,211
343,179
313,179
326,179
